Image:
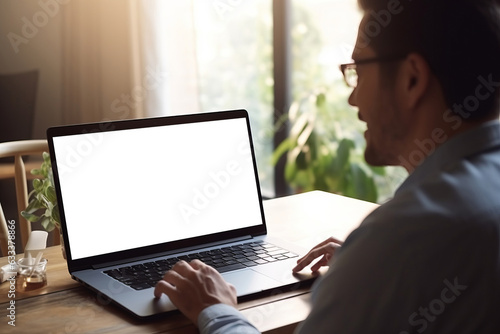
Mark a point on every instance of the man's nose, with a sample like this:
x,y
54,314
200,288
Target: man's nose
x,y
352,98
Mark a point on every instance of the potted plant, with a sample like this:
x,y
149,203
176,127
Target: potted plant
x,y
322,155
42,205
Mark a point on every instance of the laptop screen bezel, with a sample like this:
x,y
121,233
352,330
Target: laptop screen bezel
x,y
162,248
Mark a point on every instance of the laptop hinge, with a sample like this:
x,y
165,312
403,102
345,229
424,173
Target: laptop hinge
x,y
163,254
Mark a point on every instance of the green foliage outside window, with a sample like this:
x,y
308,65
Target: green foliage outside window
x,y
322,155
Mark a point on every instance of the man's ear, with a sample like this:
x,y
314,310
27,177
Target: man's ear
x,y
414,79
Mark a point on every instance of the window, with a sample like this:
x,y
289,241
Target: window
x,y
219,55
323,35
234,54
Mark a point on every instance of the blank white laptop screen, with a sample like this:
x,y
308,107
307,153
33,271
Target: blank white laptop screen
x,y
139,187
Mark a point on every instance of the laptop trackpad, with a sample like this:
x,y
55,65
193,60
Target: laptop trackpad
x,y
247,281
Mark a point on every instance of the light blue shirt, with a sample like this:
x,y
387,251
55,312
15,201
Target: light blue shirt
x,y
427,261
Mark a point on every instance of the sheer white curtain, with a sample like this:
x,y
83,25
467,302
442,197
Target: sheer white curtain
x,y
127,59
168,44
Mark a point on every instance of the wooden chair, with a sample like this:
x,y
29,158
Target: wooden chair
x,y
17,171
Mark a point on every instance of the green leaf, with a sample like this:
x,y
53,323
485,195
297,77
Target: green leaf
x,y
50,177
30,217
47,224
282,148
290,172
372,194
301,159
333,181
36,171
50,192
55,214
324,161
320,183
345,185
44,200
378,170
37,185
304,180
320,100
344,153
363,186
313,143
46,158
33,206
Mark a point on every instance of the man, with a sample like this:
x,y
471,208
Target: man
x,y
426,78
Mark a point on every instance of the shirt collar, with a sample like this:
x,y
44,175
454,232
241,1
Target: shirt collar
x,y
480,139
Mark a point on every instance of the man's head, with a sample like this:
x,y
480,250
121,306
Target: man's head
x,y
445,59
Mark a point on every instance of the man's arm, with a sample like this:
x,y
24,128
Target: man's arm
x,y
200,292
222,318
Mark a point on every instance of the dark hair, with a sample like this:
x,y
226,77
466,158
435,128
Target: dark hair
x,y
460,39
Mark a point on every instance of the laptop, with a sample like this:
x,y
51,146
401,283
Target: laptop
x,y
136,196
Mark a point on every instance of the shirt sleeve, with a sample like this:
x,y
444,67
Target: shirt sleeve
x,y
221,318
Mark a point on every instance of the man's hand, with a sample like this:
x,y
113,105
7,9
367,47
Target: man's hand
x,y
326,249
194,286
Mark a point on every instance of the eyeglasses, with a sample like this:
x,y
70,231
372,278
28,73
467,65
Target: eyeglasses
x,y
350,70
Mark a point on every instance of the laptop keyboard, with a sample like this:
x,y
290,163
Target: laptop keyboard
x,y
146,275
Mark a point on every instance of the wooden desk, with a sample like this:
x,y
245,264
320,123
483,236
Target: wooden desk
x,y
64,306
